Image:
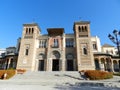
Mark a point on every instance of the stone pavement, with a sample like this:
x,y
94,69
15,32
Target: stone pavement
x,y
57,81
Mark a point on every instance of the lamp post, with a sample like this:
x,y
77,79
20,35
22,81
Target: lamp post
x,y
115,40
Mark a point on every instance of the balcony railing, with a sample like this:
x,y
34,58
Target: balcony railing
x,y
54,46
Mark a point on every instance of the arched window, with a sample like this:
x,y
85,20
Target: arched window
x,y
85,51
79,28
26,30
32,30
29,30
55,55
83,29
27,51
86,28
41,56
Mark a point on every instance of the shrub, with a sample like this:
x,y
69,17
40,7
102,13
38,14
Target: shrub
x,y
10,69
20,71
10,73
98,75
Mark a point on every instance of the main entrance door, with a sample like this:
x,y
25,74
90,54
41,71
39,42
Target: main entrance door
x,y
69,65
41,65
55,65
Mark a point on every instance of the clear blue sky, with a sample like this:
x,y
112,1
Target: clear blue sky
x,y
104,16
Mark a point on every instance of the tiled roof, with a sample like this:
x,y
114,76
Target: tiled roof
x,y
107,45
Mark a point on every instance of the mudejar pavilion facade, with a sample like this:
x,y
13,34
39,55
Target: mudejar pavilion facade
x,y
56,51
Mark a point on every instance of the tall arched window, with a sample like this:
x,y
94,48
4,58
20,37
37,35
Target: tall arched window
x,y
27,51
79,28
32,30
82,29
86,28
26,30
29,30
85,51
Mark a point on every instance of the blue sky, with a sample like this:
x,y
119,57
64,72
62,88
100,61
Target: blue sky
x,y
104,16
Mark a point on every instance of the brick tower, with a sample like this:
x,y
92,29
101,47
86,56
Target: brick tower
x,y
83,44
26,58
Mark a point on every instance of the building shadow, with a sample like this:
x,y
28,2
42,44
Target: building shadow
x,y
85,86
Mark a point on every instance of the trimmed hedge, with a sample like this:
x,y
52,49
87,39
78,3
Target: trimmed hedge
x,y
10,73
117,74
98,75
21,71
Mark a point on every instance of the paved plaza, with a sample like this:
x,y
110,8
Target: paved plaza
x,y
57,81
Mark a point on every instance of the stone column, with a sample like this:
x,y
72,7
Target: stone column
x,y
8,64
5,64
112,66
63,66
74,64
105,65
45,64
63,54
102,64
99,62
49,66
60,64
36,65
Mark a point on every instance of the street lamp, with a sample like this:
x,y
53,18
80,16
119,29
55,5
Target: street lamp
x,y
115,40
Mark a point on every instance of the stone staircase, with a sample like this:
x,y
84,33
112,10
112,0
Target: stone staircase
x,y
46,77
67,78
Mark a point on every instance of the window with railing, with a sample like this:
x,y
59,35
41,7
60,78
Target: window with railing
x,y
69,43
55,43
42,44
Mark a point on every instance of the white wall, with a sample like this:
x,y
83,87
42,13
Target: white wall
x,y
98,43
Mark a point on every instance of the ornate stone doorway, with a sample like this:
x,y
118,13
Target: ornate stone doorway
x,y
41,62
55,61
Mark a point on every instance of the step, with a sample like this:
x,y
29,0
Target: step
x,y
47,77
